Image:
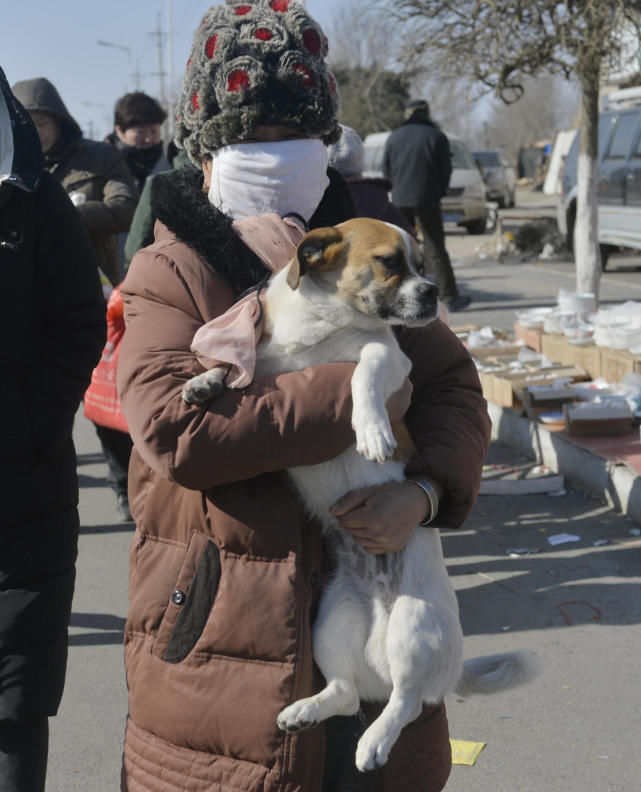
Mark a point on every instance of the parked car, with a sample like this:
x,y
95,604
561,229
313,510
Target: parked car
x,y
499,175
619,178
465,202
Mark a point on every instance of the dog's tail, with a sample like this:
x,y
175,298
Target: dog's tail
x,y
496,672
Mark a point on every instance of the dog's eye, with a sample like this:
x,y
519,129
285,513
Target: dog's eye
x,y
394,264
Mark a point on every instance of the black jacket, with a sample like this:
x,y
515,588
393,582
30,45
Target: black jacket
x,y
52,331
418,162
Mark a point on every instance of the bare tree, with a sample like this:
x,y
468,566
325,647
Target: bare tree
x,y
366,55
548,104
500,43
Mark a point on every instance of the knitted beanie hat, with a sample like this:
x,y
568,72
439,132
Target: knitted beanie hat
x,y
253,63
347,155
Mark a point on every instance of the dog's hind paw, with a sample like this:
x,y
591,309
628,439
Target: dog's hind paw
x,y
204,387
371,753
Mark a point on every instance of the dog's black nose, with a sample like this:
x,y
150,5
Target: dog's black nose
x,y
428,291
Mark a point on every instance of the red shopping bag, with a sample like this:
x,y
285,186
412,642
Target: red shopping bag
x,y
102,405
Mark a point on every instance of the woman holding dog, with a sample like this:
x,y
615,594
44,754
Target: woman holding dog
x,y
225,566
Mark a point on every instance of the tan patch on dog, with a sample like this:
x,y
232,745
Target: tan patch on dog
x,y
404,444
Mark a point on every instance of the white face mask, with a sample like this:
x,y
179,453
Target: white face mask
x,y
6,140
250,179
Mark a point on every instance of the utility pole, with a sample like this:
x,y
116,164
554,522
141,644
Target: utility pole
x,y
170,57
159,35
137,76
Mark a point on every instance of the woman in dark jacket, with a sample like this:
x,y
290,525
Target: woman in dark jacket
x,y
52,327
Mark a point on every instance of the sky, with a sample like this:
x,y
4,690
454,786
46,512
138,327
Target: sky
x,y
59,41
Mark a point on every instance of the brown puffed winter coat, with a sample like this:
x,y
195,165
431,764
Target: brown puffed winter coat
x,y
224,564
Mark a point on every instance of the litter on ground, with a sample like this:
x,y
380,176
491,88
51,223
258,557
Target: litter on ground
x,y
465,752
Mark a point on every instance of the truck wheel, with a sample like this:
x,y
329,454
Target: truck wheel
x,y
476,226
606,250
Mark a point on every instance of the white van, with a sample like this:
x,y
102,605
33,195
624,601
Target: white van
x,y
619,169
465,203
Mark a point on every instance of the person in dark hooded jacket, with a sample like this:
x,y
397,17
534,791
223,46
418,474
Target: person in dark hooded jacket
x,y
52,327
93,173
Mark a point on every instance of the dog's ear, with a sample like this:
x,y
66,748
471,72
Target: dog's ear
x,y
319,249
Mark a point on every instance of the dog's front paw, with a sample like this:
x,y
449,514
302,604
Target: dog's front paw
x,y
204,387
374,438
300,715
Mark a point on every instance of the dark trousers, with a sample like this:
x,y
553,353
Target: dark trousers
x,y
23,754
340,773
430,226
116,449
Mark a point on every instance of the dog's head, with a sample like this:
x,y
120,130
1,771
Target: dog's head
x,y
371,265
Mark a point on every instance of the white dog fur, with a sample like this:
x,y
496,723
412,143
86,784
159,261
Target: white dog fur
x,y
388,626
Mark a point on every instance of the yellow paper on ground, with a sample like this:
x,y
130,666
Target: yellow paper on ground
x,y
465,752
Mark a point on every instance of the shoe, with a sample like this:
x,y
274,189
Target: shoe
x,y
122,507
458,303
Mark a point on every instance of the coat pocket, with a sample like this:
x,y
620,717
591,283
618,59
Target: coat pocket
x,y
191,600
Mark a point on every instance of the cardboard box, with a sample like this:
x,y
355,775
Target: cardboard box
x,y
616,363
506,388
539,399
498,351
588,356
531,336
558,349
598,419
555,348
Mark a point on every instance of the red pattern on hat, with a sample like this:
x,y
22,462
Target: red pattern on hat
x,y
308,80
237,80
263,34
242,10
194,102
280,5
312,40
210,47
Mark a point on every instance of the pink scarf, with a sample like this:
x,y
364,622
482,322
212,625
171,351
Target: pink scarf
x,y
231,338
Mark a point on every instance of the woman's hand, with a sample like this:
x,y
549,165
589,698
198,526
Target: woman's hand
x,y
382,518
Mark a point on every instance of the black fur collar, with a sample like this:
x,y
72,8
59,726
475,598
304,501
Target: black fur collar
x,y
178,201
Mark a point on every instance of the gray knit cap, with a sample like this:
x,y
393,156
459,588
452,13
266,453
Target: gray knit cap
x,y
253,63
348,154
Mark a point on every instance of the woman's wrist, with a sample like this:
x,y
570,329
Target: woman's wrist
x,y
432,492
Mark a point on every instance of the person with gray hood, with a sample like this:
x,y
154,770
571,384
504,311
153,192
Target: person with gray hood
x,y
93,173
370,195
52,331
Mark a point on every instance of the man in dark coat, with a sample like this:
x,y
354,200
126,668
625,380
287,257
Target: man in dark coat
x,y
417,161
52,327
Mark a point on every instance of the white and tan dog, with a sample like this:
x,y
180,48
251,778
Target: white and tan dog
x,y
388,626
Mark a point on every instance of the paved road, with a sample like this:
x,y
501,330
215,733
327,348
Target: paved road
x,y
498,290
575,729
